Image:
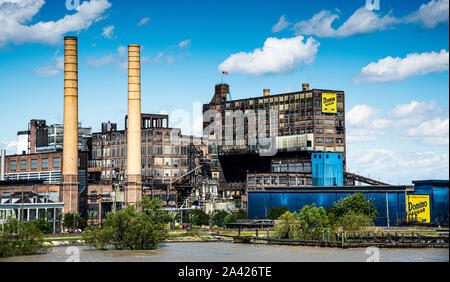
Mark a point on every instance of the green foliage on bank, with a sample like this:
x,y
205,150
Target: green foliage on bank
x,y
234,217
21,238
130,228
276,212
351,214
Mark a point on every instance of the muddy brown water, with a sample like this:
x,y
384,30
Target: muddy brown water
x,y
230,252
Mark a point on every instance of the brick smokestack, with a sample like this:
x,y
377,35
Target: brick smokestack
x,y
133,193
69,193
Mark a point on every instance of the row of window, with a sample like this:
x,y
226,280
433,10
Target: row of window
x,y
34,164
279,180
292,167
145,150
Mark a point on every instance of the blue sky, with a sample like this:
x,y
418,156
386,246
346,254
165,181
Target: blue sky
x,y
389,62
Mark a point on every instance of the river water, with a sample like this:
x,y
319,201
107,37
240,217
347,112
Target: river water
x,y
230,252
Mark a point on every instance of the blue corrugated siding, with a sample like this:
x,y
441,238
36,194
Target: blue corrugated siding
x,y
327,169
260,203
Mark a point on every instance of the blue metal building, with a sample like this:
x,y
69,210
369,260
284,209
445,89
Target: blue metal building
x,y
327,169
389,200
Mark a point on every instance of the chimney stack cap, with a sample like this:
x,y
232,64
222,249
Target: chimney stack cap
x,y
305,86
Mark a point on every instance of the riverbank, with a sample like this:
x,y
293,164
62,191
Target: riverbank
x,y
230,252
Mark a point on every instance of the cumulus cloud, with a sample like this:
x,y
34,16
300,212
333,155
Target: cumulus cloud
x,y
108,32
431,14
434,131
280,25
277,56
416,122
15,15
394,69
398,167
362,21
360,115
11,147
143,21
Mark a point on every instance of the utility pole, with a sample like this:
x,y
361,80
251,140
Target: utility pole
x,y
387,209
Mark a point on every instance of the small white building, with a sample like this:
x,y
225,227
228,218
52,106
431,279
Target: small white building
x,y
29,206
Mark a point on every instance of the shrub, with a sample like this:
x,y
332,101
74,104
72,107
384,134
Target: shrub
x,y
276,212
19,238
131,229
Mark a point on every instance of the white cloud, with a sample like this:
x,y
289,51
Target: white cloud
x,y
398,167
10,147
52,69
394,69
280,25
108,32
143,21
184,44
435,131
416,122
360,115
15,15
362,21
96,62
277,56
431,14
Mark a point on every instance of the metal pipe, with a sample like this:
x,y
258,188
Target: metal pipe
x,y
2,165
134,179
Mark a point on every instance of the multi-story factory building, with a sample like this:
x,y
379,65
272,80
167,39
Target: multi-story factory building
x,y
165,156
297,125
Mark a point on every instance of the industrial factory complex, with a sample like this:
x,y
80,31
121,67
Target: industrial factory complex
x,y
256,153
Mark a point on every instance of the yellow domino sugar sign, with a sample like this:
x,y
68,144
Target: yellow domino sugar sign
x,y
418,208
329,103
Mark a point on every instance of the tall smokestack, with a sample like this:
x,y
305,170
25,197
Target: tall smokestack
x,y
69,191
134,180
2,165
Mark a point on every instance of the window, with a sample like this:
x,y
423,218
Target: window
x,y
307,167
266,180
282,180
330,140
283,167
12,165
258,180
33,164
276,167
319,140
251,180
274,180
23,164
299,167
291,180
56,162
291,167
300,181
319,130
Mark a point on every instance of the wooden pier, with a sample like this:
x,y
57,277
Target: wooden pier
x,y
356,240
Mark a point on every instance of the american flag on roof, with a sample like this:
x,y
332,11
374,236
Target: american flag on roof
x,y
224,73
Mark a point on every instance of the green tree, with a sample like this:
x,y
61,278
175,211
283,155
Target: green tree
x,y
44,225
287,225
352,221
218,217
130,228
173,216
276,212
20,238
198,217
312,221
234,217
356,203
